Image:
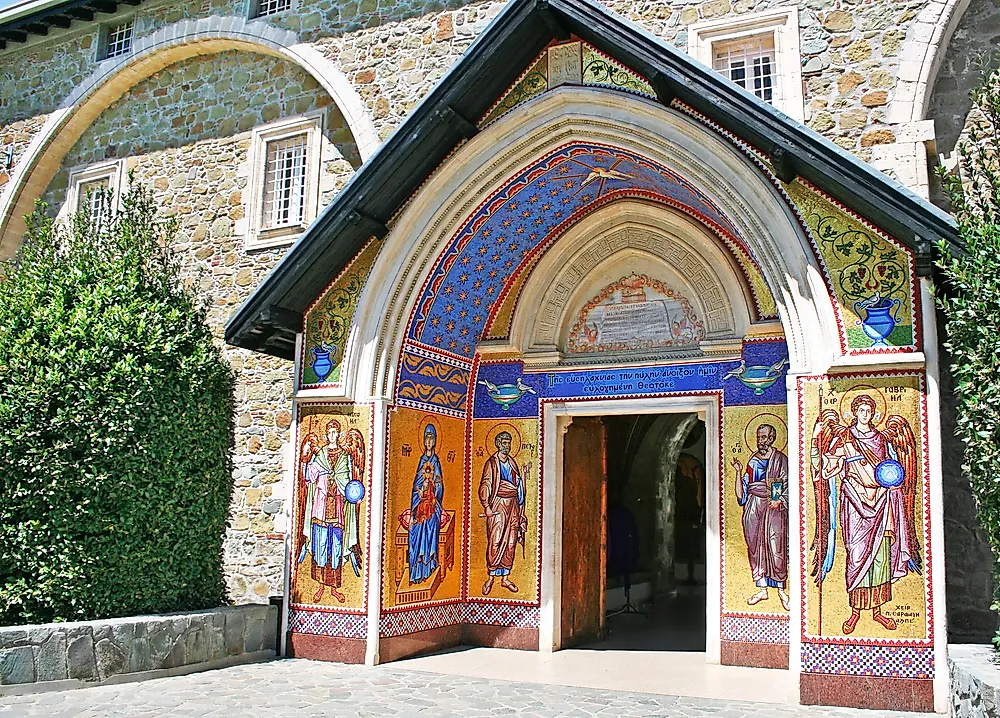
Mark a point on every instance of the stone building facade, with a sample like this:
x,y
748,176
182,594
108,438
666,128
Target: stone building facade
x,y
187,105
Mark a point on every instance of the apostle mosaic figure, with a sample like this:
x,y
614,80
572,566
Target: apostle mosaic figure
x,y
762,491
502,493
877,497
332,536
426,511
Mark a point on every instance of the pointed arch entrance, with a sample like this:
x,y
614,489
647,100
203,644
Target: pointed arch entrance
x,y
497,296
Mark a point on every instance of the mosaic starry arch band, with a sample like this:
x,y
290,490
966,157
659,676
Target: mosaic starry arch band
x,y
507,232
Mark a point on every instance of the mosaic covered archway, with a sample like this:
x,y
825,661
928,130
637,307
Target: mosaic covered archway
x,y
593,242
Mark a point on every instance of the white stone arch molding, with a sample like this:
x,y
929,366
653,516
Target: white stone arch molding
x,y
636,236
425,226
921,56
151,53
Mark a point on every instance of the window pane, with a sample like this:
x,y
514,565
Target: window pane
x,y
120,39
89,196
732,58
269,7
285,183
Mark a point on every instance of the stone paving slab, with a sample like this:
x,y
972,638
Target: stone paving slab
x,y
286,688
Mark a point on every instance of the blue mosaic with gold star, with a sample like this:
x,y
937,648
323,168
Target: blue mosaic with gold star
x,y
524,217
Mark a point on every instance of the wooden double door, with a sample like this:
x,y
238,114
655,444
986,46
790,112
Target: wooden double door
x,y
584,531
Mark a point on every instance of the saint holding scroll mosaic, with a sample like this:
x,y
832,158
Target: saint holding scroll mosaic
x,y
502,492
762,491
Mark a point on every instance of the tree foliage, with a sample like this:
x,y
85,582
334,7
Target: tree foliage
x,y
971,303
115,423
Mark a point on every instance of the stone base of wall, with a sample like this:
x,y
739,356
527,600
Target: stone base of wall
x,y
975,681
57,656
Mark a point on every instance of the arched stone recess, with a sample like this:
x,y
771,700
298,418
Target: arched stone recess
x,y
422,230
622,239
921,54
166,46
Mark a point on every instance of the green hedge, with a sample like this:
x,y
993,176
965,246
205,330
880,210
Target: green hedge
x,y
115,425
971,301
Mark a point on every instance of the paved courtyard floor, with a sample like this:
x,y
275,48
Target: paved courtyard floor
x,y
287,688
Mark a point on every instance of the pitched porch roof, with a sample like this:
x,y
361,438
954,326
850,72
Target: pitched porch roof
x,y
270,318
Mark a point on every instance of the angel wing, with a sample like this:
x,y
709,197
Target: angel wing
x,y
899,436
827,432
354,445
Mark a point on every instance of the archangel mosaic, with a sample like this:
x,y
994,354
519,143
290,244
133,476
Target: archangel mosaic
x,y
425,513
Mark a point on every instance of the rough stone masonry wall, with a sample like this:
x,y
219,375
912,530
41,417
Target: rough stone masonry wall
x,y
187,129
96,651
185,132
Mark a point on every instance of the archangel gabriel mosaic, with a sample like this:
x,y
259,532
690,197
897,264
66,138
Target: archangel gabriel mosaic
x,y
331,487
874,461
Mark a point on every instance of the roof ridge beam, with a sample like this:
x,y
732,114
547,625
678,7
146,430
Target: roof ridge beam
x,y
451,117
551,19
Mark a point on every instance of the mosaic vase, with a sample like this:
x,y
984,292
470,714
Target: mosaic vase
x,y
878,320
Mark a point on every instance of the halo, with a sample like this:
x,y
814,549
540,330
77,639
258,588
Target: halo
x,y
750,437
515,438
326,426
425,420
881,405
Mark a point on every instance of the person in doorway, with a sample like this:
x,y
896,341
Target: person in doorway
x,y
689,533
762,491
502,493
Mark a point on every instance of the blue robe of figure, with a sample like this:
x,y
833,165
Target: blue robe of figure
x,y
426,506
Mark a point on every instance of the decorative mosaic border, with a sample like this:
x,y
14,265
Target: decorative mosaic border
x,y
880,661
327,623
426,618
754,630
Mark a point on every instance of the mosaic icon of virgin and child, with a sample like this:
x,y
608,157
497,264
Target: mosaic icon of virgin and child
x,y
426,511
877,471
330,489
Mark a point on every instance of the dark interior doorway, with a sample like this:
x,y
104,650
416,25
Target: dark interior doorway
x,y
654,540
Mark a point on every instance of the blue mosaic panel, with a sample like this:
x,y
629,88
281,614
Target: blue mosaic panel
x,y
432,381
522,218
506,390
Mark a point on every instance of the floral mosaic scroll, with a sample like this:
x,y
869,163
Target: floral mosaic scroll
x,y
330,515
870,276
576,63
328,321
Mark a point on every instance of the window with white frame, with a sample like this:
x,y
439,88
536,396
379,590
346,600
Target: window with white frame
x,y
117,39
263,8
92,188
758,51
748,62
284,186
284,193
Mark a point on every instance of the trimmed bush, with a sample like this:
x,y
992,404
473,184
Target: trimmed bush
x,y
971,302
115,424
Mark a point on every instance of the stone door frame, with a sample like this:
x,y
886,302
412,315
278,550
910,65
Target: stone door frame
x,y
556,418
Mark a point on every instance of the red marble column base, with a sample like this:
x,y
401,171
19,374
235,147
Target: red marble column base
x,y
327,648
900,694
523,639
755,655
